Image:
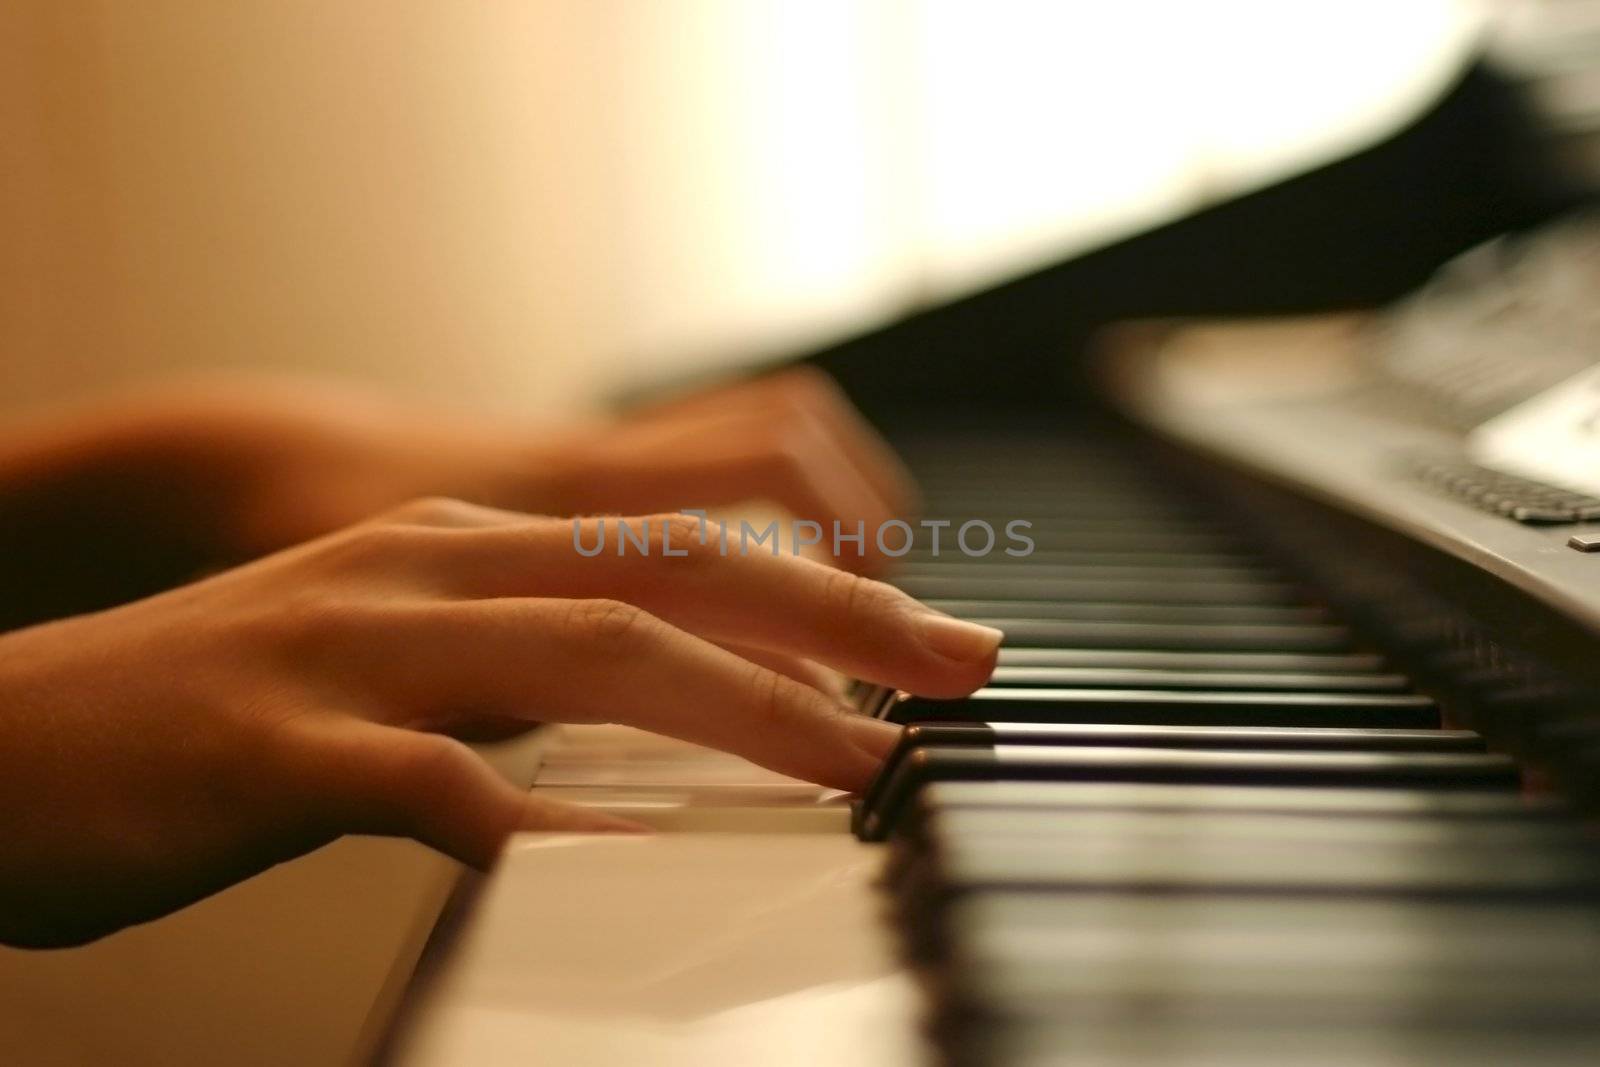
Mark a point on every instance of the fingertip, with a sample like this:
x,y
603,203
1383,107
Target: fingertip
x,y
967,643
964,652
852,765
875,737
549,816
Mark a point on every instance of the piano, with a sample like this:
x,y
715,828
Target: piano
x,y
1290,758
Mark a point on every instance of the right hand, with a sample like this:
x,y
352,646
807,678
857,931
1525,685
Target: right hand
x,y
156,752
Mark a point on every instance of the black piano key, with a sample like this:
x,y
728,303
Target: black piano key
x,y
1153,707
1078,476
1076,512
1008,675
1145,659
1069,526
1070,464
1337,739
1024,589
1065,477
897,784
1391,1042
1185,960
1166,829
1402,931
1088,520
1168,614
1103,538
1154,827
1007,567
1260,738
1213,862
1134,568
1224,864
1100,590
1371,965
1156,637
1180,799
1152,562
1079,798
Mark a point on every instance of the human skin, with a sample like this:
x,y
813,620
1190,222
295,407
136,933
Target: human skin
x,y
156,751
106,502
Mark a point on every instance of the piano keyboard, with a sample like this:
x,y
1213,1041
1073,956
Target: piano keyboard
x,y
1197,817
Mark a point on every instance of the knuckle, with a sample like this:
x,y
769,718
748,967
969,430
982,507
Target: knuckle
x,y
860,601
770,700
371,544
783,704
317,624
772,695
841,594
609,622
681,530
434,511
307,616
685,534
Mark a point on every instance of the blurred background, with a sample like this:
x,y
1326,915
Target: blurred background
x,y
529,204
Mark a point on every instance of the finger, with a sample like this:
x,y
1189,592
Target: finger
x,y
814,393
364,777
479,729
865,510
820,396
796,667
732,457
862,627
604,661
444,512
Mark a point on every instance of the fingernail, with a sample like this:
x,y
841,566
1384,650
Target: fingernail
x,y
957,639
874,736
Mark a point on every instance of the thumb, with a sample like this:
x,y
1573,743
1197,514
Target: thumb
x,y
366,777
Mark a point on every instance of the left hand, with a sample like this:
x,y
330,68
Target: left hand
x,y
291,465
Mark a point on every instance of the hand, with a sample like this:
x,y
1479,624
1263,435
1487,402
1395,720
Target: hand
x,y
145,492
791,438
156,752
292,464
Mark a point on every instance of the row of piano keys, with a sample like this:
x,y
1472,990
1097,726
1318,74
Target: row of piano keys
x,y
1194,818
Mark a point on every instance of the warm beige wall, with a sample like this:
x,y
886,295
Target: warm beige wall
x,y
52,197
481,201
402,190
514,202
